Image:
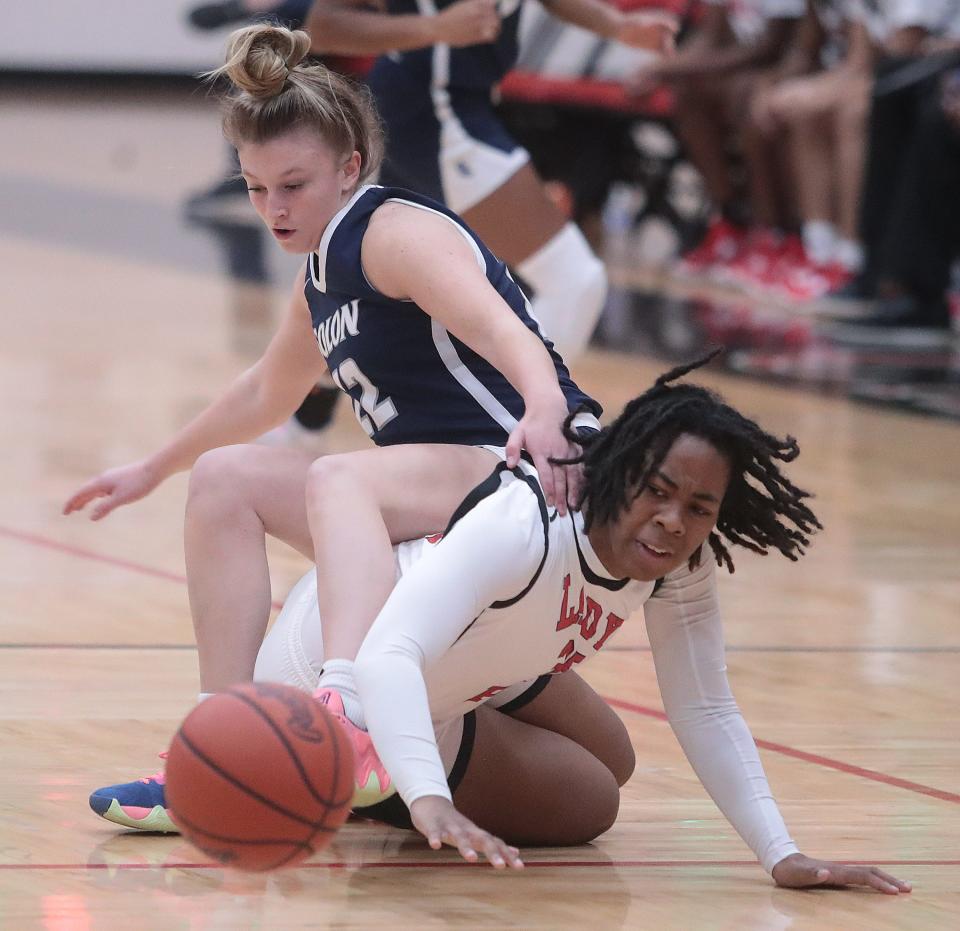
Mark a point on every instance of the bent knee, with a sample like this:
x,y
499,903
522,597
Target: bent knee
x,y
597,814
329,475
623,762
611,745
328,469
222,471
607,812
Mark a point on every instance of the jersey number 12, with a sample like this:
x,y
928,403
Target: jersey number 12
x,y
372,412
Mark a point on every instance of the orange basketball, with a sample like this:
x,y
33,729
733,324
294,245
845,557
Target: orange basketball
x,y
260,776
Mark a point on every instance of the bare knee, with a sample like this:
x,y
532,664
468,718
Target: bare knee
x,y
622,759
218,479
569,706
578,815
599,815
610,743
535,787
328,478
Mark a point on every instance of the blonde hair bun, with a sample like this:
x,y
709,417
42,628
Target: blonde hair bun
x,y
276,92
261,58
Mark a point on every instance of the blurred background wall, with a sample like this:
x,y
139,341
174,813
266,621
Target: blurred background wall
x,y
144,36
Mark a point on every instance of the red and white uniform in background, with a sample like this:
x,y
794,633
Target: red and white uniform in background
x,y
510,593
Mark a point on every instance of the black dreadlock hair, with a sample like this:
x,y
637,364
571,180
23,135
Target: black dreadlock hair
x,y
761,508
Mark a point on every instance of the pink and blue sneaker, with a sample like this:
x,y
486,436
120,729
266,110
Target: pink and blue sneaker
x,y
372,781
140,805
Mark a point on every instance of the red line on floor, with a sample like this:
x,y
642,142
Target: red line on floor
x,y
815,758
457,864
46,543
37,540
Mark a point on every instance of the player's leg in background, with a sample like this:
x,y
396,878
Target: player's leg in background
x,y
811,147
522,225
700,119
850,132
238,495
770,249
462,155
765,156
701,123
533,786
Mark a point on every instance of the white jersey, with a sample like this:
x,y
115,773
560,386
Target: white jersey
x,y
884,17
534,595
512,592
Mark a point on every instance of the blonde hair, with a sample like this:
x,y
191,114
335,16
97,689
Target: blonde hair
x,y
275,91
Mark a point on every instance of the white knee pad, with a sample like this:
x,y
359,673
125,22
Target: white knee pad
x,y
292,651
570,287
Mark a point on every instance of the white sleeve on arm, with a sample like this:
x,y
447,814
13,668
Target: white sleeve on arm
x,y
683,623
490,555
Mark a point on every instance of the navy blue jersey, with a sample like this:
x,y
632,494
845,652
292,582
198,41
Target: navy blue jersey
x,y
410,380
476,66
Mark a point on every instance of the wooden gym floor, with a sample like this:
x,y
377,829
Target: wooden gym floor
x,y
119,322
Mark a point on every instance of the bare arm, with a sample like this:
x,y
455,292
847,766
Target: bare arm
x,y
262,397
447,589
602,18
362,27
650,30
712,58
409,253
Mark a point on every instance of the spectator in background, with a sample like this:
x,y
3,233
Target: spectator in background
x,y
823,116
912,261
739,47
909,221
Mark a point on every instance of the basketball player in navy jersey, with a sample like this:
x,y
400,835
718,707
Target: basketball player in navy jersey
x,y
439,66
466,675
414,318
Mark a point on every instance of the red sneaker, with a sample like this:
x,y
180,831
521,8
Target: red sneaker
x,y
809,282
720,246
763,251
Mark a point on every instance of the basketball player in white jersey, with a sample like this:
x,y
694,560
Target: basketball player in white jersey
x,y
514,593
